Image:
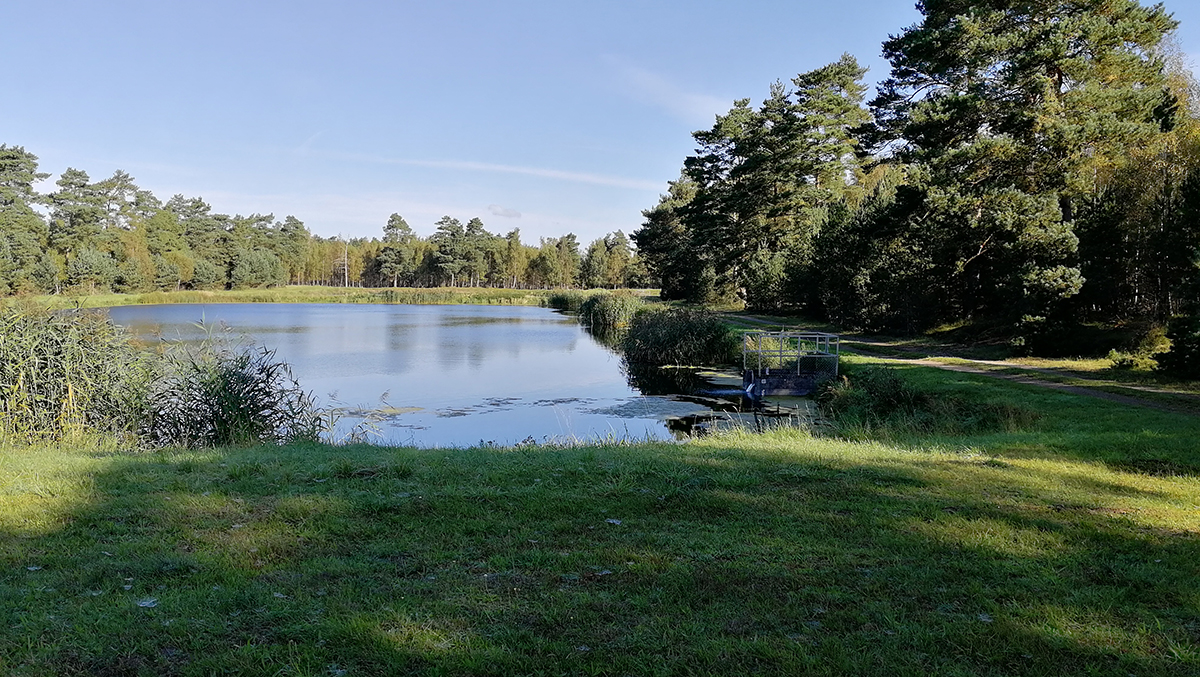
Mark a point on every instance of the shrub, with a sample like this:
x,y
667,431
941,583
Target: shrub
x,y
679,336
1183,359
221,393
1132,361
878,400
67,371
605,312
569,300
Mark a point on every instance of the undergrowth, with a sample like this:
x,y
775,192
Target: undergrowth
x,y
607,312
680,336
877,402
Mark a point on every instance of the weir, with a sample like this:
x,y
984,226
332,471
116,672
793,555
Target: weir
x,y
787,363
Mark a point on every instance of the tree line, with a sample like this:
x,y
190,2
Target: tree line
x,y
1025,166
110,235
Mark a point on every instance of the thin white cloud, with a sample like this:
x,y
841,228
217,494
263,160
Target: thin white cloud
x,y
506,212
306,147
557,174
364,214
654,89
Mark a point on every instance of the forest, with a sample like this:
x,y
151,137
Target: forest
x,y
1021,172
110,235
1023,169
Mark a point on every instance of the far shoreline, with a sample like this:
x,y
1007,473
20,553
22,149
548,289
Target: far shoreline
x,y
314,294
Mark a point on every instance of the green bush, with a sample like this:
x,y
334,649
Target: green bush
x,y
1183,359
877,400
570,300
679,336
606,312
220,393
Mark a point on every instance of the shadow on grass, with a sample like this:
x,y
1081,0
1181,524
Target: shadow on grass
x,y
801,557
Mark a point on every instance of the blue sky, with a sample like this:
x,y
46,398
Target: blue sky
x,y
551,117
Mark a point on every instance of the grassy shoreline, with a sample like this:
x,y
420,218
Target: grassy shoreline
x,y
313,294
1071,548
305,294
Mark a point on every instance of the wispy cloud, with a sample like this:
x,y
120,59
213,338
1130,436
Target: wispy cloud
x,y
542,172
654,89
363,214
306,147
506,212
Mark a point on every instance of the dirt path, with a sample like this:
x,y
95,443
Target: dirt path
x,y
864,344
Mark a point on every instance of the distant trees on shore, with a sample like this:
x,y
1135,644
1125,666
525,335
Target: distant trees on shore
x,y
110,235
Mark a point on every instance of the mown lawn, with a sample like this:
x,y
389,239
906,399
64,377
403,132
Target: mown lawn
x,y
1069,549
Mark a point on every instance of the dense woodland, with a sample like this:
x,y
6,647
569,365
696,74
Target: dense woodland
x,y
110,235
1025,166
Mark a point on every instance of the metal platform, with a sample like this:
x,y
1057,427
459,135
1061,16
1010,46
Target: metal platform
x,y
792,363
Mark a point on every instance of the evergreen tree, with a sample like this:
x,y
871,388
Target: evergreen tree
x,y
1011,110
451,254
22,231
77,213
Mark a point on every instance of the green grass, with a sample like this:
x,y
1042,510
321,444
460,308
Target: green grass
x,y
306,294
1071,547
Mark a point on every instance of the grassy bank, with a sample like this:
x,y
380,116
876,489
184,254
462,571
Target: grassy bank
x,y
1071,547
305,294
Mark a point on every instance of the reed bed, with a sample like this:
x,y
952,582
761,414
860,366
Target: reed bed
x,y
609,312
680,336
66,374
309,294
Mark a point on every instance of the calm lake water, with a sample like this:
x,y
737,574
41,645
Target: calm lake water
x,y
450,375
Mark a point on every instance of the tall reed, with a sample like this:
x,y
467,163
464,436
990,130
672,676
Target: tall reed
x,y
679,336
607,312
222,392
67,372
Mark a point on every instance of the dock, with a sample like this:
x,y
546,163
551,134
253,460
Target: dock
x,y
788,363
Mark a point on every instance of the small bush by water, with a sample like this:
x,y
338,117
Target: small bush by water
x,y
679,336
220,393
66,373
570,300
605,312
876,400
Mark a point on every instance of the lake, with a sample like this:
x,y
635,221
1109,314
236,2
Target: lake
x,y
441,376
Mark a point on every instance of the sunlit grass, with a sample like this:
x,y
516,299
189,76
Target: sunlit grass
x,y
1072,547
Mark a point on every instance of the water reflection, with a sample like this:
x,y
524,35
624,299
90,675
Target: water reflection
x,y
455,375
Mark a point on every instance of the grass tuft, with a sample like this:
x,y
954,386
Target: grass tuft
x,y
874,401
679,336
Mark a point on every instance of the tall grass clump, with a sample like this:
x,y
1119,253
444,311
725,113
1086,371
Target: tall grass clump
x,y
67,373
606,312
679,336
221,392
876,401
570,300
63,373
